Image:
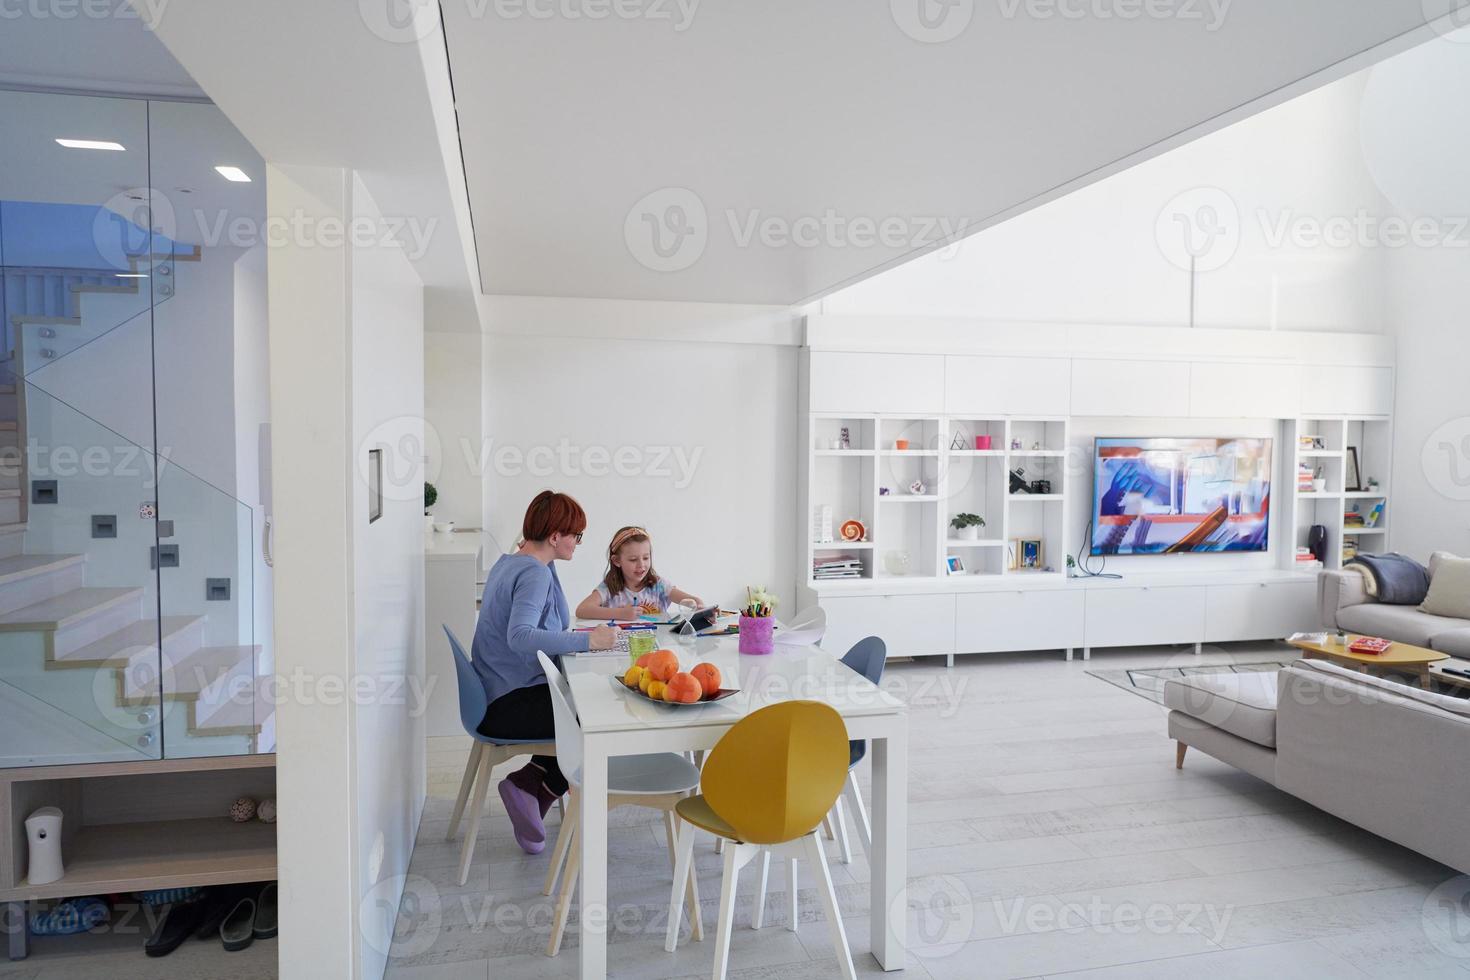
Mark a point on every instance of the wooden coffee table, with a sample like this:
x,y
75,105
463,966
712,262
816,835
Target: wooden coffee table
x,y
1436,671
1402,658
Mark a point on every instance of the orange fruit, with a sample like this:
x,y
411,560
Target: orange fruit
x,y
708,676
633,676
663,664
643,660
644,681
683,688
656,690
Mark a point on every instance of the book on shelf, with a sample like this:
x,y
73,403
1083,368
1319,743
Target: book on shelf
x,y
837,567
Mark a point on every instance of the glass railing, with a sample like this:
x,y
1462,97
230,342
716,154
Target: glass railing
x,y
129,616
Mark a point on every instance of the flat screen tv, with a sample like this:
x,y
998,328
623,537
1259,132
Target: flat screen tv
x,y
1166,496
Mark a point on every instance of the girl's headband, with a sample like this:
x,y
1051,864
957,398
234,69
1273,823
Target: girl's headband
x,y
624,536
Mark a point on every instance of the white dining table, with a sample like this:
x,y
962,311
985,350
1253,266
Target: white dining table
x,y
617,722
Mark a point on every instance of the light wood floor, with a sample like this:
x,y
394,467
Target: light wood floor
x,y
1050,835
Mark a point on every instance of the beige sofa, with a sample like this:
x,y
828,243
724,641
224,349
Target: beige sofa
x,y
1379,754
1343,604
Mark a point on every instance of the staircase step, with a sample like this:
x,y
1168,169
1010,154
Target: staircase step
x,y
190,674
76,618
18,568
12,538
136,640
238,716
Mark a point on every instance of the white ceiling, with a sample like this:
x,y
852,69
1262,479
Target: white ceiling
x,y
769,109
61,46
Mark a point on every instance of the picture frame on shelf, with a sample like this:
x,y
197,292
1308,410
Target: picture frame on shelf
x,y
953,565
1353,481
1030,554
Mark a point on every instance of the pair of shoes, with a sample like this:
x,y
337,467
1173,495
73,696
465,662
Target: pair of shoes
x,y
254,917
527,801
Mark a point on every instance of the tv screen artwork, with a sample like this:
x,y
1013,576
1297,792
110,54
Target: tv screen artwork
x,y
1161,496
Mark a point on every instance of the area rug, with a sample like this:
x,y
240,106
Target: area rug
x,y
1148,682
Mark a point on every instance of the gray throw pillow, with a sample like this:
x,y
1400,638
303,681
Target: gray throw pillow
x,y
1449,586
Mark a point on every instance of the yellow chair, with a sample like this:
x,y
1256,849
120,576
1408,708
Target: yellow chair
x,y
766,785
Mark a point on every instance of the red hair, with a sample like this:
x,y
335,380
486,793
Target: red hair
x,y
552,513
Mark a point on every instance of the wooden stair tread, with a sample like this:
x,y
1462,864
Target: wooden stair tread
x,y
237,715
11,493
65,609
132,639
16,568
198,670
10,425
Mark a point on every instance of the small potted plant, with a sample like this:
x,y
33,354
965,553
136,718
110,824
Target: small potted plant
x,y
757,621
967,526
430,496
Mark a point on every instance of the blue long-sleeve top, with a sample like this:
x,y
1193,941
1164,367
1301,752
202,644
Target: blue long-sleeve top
x,y
523,610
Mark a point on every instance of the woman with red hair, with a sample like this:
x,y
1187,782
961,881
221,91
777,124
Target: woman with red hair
x,y
525,610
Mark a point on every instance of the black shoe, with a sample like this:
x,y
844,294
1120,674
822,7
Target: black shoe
x,y
177,924
217,903
238,930
267,915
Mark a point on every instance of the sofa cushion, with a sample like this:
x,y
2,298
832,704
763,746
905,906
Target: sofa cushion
x,y
1241,704
1449,587
1456,643
1458,706
1406,624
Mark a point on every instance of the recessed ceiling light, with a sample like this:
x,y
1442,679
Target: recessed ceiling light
x,y
234,173
91,145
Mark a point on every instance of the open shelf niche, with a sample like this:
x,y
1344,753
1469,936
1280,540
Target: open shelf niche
x,y
909,535
1324,490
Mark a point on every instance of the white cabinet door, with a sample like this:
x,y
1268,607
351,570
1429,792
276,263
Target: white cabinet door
x,y
866,384
911,625
1262,611
1220,390
1116,387
1335,390
1037,619
1141,616
987,386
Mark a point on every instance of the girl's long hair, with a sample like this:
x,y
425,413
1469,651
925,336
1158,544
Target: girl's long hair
x,y
614,577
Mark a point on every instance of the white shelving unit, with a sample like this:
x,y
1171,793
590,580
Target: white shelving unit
x,y
909,536
1323,446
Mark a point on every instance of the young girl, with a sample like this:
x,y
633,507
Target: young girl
x,y
631,586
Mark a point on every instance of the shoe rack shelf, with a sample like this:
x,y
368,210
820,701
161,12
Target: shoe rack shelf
x,y
137,826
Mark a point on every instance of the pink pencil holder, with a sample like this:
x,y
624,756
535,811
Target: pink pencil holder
x,y
982,442
755,634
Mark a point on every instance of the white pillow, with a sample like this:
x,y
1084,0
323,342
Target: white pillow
x,y
1449,586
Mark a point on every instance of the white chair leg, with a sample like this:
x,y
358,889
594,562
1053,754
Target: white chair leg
x,y
827,827
758,911
564,900
736,857
842,845
818,856
471,769
696,921
482,787
792,918
719,845
859,814
561,807
563,841
683,870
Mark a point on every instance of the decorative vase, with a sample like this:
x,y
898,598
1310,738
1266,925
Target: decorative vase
x,y
428,523
756,634
982,442
896,562
970,533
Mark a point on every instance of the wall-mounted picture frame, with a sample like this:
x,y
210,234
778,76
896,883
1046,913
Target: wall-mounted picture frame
x,y
953,565
1354,481
1030,554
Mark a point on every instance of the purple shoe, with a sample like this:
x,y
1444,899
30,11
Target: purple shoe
x,y
525,817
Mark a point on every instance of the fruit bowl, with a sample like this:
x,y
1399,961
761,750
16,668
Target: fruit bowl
x,y
719,695
657,677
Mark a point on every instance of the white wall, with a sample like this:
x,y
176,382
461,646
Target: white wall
x,y
454,418
388,567
1100,255
346,358
707,432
